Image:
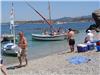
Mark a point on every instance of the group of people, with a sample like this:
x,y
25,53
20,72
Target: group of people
x,y
88,39
54,31
23,45
22,54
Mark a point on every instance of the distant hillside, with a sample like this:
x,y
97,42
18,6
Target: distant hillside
x,y
76,19
63,19
89,16
24,22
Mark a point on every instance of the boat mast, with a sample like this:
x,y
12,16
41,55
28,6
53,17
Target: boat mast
x,y
41,16
12,25
49,8
49,11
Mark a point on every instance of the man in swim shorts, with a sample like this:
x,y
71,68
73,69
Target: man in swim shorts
x,y
23,45
71,40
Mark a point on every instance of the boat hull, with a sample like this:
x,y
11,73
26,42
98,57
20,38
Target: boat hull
x,y
6,53
10,49
48,37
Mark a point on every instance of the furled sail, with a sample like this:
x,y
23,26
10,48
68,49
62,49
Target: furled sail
x,y
12,19
12,25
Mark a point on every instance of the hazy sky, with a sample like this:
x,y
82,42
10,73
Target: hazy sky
x,y
58,9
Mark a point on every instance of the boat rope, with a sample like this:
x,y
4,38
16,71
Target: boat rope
x,y
39,15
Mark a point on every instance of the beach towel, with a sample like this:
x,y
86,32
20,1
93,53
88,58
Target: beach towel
x,y
78,59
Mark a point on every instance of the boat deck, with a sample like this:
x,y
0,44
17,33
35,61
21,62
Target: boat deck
x,y
7,37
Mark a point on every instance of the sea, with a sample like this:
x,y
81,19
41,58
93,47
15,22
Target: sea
x,y
38,49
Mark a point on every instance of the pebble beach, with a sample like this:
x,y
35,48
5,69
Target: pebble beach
x,y
57,64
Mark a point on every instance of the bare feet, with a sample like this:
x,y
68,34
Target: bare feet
x,y
19,66
70,51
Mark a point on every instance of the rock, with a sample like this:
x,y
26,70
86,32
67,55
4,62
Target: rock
x,y
96,17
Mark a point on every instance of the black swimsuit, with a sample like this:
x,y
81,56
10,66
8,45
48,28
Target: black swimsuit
x,y
71,41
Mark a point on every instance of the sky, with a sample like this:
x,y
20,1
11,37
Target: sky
x,y
59,9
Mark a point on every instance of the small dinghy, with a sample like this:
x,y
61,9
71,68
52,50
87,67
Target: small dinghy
x,y
10,49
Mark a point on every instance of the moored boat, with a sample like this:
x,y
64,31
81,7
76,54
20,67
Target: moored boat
x,y
10,47
50,36
44,37
7,37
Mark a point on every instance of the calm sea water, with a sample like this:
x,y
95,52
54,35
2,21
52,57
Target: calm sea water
x,y
38,49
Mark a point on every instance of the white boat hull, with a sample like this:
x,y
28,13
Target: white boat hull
x,y
10,49
48,37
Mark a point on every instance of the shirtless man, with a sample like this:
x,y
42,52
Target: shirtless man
x,y
23,45
71,40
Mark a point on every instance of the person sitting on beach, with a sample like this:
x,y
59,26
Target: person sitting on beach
x,y
23,45
89,37
71,40
2,67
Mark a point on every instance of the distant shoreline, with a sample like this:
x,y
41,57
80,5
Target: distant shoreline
x,y
45,23
62,20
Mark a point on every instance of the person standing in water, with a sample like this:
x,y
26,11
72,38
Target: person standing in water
x,y
71,40
23,45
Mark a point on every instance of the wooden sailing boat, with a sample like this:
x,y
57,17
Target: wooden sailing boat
x,y
50,36
10,48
